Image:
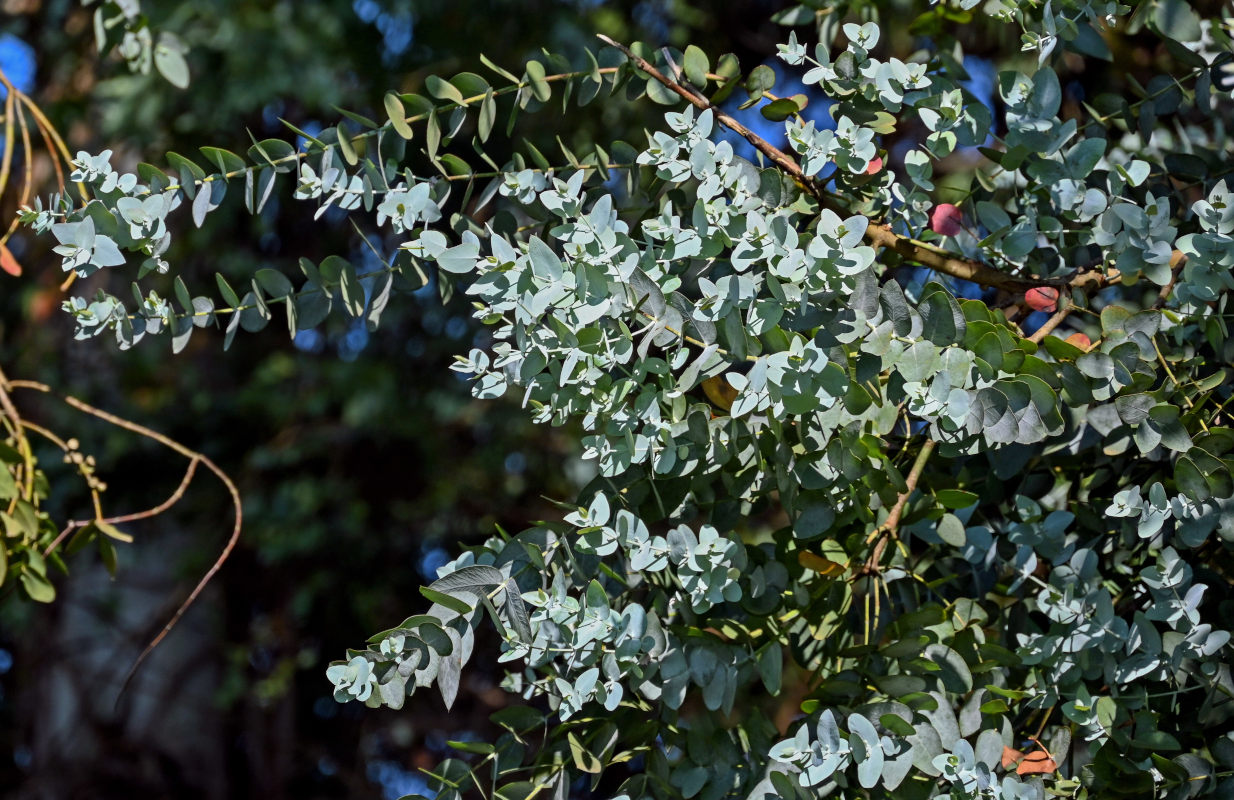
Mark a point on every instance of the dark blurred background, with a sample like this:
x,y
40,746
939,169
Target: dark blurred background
x,y
363,461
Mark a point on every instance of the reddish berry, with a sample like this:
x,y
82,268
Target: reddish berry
x,y
945,219
1079,340
1042,298
875,166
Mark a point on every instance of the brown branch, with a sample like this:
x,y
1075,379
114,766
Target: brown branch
x,y
163,506
175,497
27,185
10,139
950,264
1053,322
884,532
193,457
19,434
1090,282
227,548
776,155
52,155
877,235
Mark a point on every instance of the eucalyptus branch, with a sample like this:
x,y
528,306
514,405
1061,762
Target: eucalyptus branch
x,y
877,235
446,106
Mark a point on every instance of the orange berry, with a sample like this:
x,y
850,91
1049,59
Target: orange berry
x,y
1079,340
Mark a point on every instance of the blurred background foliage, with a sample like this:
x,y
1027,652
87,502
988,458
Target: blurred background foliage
x,y
362,460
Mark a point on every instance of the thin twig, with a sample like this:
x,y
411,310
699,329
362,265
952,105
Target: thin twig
x,y
227,548
193,457
10,140
27,184
23,445
175,497
884,532
1053,322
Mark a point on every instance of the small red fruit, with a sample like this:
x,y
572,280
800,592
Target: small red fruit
x,y
1042,298
875,166
945,219
1079,340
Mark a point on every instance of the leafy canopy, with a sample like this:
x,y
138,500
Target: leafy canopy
x,y
840,468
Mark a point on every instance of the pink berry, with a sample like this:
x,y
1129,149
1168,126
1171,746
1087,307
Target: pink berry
x,y
875,166
945,219
1042,298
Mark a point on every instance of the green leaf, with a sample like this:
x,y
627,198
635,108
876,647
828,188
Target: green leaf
x,y
1156,740
695,66
955,498
951,530
1165,419
516,611
346,148
953,671
230,298
661,94
273,282
278,154
307,137
169,60
396,112
186,168
502,72
224,160
476,579
897,725
111,531
352,291
488,115
449,601
443,90
8,487
729,70
779,110
584,761
1134,408
432,136
479,748
359,119
453,165
761,79
770,667
107,552
470,85
459,259
535,75
37,587
1177,20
